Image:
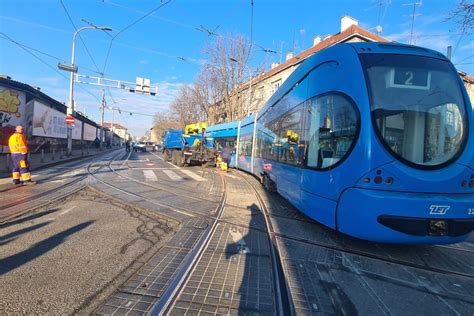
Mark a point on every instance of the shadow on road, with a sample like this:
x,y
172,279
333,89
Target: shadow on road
x,y
12,236
28,218
10,263
255,292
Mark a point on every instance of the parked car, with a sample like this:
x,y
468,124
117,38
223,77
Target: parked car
x,y
144,146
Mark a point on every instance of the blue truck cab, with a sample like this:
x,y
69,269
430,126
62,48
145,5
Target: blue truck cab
x,y
172,139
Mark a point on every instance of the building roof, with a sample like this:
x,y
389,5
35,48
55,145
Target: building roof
x,y
466,77
350,32
115,125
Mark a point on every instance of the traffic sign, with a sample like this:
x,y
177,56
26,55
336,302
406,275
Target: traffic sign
x,y
70,120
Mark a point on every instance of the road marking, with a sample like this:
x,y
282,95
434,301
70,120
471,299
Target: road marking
x,y
125,161
69,209
173,176
151,168
191,174
150,175
161,158
231,176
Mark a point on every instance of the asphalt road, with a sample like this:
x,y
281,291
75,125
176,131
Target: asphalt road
x,y
118,245
60,258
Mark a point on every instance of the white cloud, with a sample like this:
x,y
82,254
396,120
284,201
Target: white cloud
x,y
54,81
468,47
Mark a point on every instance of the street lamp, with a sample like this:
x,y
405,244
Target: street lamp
x,y
250,81
73,68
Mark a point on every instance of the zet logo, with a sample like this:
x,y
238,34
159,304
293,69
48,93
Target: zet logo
x,y
439,209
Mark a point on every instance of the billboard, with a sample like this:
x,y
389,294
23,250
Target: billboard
x,y
77,130
12,112
48,122
89,132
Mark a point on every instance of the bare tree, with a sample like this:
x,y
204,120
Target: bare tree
x,y
218,89
224,73
190,106
463,15
165,120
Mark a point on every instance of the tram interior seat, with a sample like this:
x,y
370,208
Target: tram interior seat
x,y
326,158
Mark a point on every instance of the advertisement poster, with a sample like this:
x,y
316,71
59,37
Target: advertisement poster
x,y
48,122
77,131
89,132
12,112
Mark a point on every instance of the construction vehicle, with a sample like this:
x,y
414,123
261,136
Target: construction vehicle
x,y
189,146
172,140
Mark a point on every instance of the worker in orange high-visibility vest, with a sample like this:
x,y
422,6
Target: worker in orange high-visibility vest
x,y
19,153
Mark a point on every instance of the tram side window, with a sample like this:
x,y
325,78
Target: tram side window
x,y
282,140
333,122
245,145
224,142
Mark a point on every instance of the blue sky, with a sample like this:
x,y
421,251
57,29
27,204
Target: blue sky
x,y
151,47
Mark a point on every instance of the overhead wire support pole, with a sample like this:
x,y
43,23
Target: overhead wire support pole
x,y
73,68
102,110
413,16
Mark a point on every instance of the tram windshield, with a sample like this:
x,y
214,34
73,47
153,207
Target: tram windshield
x,y
417,107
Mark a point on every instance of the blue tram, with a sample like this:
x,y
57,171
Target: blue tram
x,y
370,139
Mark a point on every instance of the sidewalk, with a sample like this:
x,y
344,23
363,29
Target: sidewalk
x,y
38,161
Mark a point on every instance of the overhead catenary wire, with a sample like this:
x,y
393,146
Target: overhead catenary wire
x,y
80,37
46,64
62,60
101,73
131,112
128,27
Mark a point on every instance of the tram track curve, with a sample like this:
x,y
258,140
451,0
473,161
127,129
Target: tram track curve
x,y
374,256
18,203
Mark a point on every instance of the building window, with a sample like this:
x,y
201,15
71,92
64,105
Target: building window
x,y
275,85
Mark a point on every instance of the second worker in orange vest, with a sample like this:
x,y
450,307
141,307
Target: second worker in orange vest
x,y
19,153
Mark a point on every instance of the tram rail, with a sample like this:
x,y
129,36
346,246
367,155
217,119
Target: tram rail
x,y
22,201
353,251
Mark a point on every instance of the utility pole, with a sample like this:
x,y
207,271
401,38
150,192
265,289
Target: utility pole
x,y
112,127
102,110
413,16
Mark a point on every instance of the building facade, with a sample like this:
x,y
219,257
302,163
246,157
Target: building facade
x,y
42,118
118,129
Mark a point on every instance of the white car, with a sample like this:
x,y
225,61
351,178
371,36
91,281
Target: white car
x,y
144,146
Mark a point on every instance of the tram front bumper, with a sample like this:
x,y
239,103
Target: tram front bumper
x,y
410,218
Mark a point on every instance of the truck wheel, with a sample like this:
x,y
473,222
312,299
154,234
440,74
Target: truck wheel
x,y
180,159
174,156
